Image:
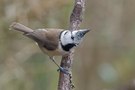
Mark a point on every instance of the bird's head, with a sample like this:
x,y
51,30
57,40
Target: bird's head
x,y
72,38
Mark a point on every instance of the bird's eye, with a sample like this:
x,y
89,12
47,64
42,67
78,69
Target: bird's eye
x,y
72,37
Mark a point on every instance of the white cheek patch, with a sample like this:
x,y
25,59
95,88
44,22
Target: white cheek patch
x,y
66,38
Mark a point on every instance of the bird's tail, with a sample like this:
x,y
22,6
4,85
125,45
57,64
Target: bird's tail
x,y
20,27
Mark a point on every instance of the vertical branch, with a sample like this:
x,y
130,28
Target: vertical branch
x,y
76,15
65,81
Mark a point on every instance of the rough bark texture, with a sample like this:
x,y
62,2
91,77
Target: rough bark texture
x,y
65,81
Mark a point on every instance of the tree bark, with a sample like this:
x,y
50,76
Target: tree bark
x,y
65,80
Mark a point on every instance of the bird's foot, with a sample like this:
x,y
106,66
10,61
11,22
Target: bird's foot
x,y
65,71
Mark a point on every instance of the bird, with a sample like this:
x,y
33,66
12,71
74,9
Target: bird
x,y
53,42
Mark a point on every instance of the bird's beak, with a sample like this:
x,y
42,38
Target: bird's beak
x,y
84,31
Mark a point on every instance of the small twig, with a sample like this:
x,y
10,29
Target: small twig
x,y
65,81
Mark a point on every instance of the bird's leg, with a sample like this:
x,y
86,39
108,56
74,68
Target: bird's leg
x,y
60,68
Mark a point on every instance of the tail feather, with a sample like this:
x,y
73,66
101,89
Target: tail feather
x,y
20,27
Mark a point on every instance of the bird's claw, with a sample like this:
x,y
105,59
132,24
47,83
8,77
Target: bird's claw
x,y
65,71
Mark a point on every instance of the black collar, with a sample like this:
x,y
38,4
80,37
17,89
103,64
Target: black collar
x,y
68,46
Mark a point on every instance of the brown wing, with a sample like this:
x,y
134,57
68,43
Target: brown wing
x,y
47,38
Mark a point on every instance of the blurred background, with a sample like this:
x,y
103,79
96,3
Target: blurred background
x,y
104,61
